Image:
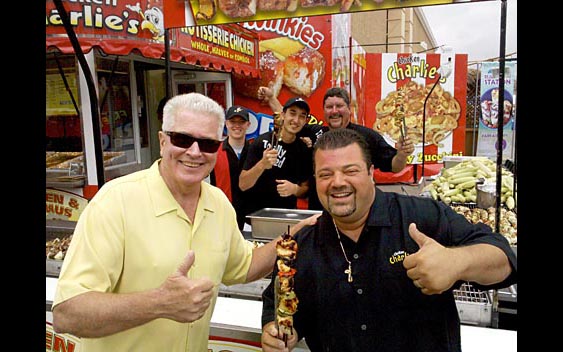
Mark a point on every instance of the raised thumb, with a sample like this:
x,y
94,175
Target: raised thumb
x,y
416,235
186,263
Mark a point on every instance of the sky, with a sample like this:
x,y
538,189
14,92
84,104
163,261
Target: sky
x,y
473,28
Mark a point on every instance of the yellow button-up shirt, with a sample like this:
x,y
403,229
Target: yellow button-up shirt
x,y
132,236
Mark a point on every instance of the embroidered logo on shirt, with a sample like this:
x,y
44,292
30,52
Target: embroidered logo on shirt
x,y
398,256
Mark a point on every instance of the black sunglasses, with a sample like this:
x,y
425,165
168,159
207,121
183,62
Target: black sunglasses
x,y
183,140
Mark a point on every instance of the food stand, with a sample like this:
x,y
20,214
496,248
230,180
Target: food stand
x,y
235,324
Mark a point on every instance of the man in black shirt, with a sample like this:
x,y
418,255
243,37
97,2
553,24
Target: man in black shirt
x,y
336,107
278,166
377,270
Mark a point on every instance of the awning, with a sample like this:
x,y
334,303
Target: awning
x,y
122,27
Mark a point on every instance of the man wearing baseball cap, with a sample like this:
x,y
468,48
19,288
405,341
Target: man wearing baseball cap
x,y
278,166
230,159
337,114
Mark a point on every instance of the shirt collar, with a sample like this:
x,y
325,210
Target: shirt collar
x,y
162,199
378,214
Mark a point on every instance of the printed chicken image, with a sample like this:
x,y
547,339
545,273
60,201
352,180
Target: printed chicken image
x,y
311,3
207,10
276,5
238,8
304,71
271,75
153,20
284,61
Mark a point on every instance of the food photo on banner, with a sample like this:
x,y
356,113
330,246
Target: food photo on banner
x,y
295,59
397,86
229,11
487,144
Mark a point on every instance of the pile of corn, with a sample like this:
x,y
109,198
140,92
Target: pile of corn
x,y
458,183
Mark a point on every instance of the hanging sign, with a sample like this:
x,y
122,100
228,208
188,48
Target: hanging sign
x,y
180,14
399,85
487,143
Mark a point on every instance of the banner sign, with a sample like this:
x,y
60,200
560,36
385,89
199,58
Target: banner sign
x,y
63,205
295,59
59,342
219,46
120,27
487,142
59,102
341,28
358,94
400,85
180,14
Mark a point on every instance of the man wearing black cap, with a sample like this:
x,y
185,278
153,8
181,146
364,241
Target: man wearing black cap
x,y
337,114
278,165
230,159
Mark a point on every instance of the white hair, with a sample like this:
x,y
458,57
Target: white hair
x,y
195,102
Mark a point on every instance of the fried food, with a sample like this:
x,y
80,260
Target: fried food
x,y
304,71
281,47
238,8
271,75
442,114
207,10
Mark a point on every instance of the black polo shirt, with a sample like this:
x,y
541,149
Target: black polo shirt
x,y
381,310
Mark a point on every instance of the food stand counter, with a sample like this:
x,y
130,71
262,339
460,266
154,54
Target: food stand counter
x,y
236,327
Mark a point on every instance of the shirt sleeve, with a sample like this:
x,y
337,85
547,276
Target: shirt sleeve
x,y
255,151
382,153
94,260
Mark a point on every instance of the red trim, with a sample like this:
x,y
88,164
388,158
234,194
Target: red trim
x,y
89,191
222,173
119,29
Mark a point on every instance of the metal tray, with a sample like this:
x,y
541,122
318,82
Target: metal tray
x,y
273,222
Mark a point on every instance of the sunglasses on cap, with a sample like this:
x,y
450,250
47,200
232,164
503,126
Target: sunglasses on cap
x,y
183,140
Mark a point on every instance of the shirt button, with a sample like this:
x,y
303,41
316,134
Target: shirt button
x,y
364,327
360,291
356,256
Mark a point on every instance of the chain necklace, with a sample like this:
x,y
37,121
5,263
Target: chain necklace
x,y
349,270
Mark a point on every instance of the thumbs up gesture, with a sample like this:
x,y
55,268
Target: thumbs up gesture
x,y
433,268
182,299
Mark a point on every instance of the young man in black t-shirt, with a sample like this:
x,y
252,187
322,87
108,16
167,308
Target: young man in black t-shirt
x,y
278,166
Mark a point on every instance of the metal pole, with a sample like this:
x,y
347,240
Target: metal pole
x,y
500,123
424,121
91,89
500,120
168,70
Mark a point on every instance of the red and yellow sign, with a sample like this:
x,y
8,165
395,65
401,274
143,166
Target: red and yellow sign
x,y
63,205
410,78
121,27
60,342
228,11
295,57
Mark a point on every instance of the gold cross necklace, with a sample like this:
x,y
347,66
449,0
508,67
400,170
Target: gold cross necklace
x,y
349,270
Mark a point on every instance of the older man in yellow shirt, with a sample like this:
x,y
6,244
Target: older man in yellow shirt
x,y
150,249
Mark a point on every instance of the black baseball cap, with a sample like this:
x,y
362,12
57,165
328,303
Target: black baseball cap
x,y
237,110
299,102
